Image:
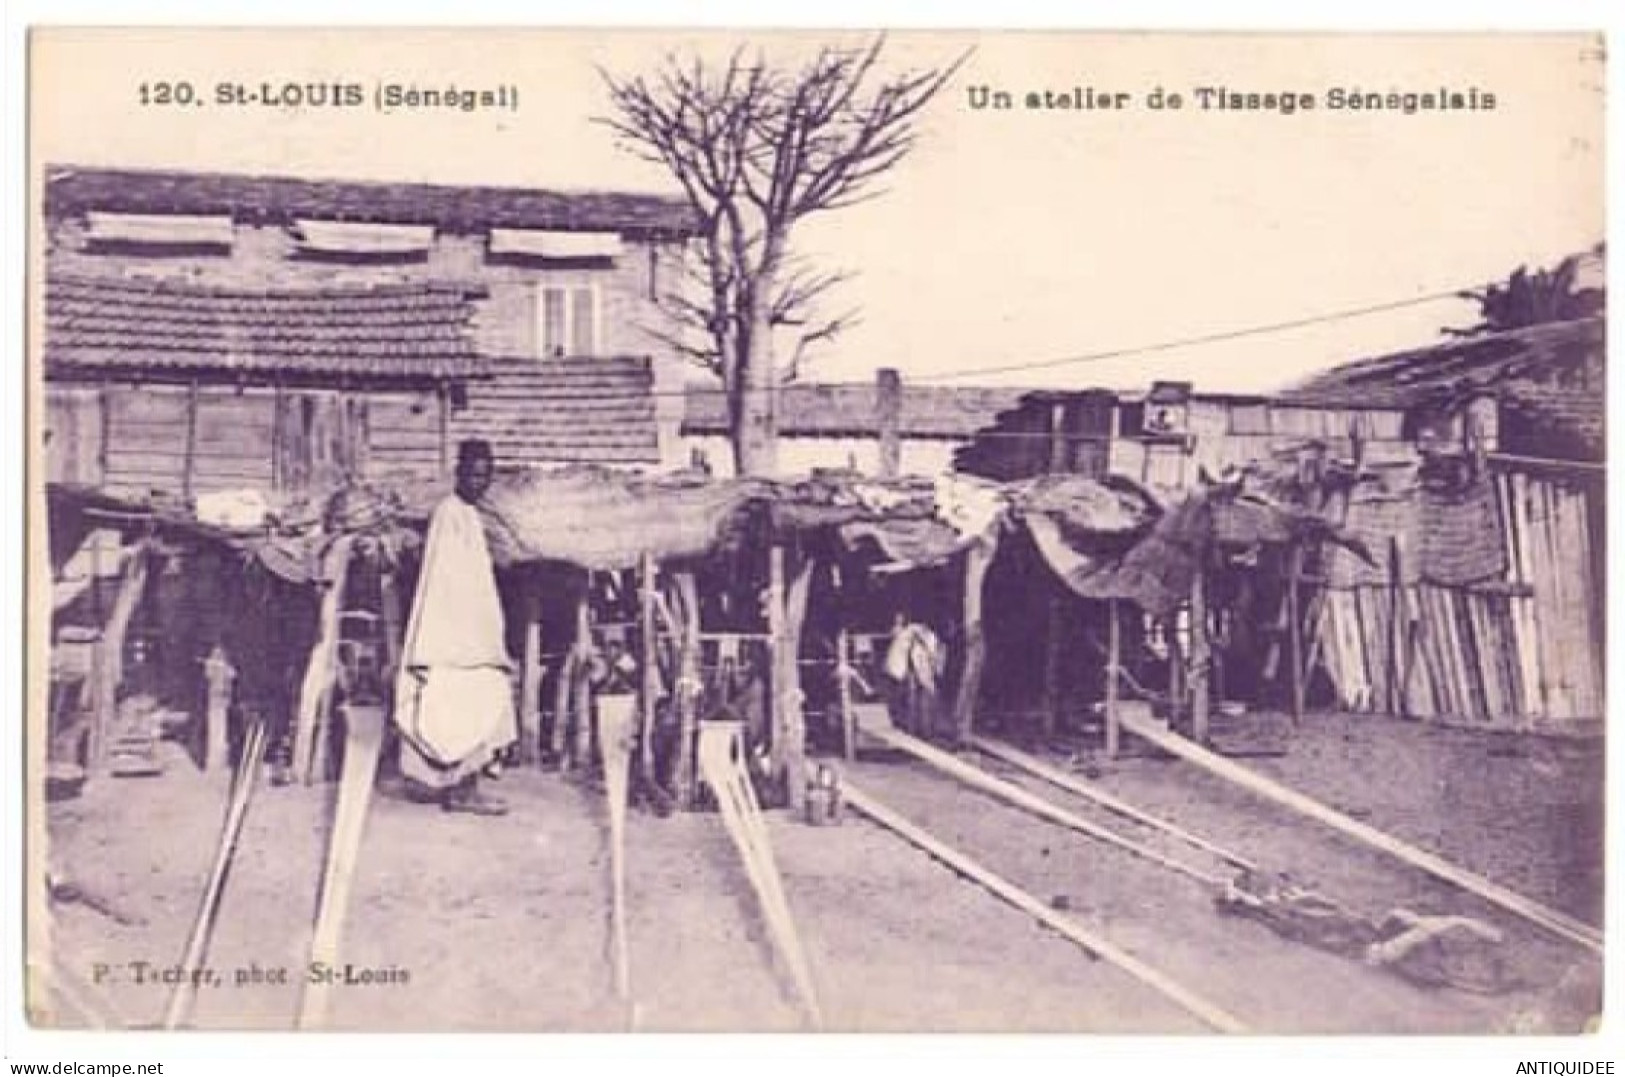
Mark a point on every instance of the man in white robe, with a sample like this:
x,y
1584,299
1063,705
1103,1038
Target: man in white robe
x,y
454,696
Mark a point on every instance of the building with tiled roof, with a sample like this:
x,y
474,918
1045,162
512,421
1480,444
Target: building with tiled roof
x,y
207,330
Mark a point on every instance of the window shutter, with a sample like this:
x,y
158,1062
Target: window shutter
x,y
552,327
583,322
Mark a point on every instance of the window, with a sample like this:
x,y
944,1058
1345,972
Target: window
x,y
567,320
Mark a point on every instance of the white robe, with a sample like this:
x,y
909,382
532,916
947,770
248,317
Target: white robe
x,y
454,693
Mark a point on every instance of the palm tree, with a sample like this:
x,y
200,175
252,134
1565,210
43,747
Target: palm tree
x,y
1526,299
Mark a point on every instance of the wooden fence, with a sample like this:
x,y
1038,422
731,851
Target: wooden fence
x,y
1521,652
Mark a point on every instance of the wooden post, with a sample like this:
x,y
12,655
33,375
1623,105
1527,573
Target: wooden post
x,y
189,457
1294,627
1114,658
581,690
109,654
649,668
978,559
888,420
444,430
791,701
1201,655
104,433
843,679
1057,609
530,672
219,677
775,638
688,687
1396,656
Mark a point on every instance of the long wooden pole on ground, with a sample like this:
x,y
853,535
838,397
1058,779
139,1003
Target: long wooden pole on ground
x,y
617,729
197,944
364,738
1550,919
1021,798
1064,926
1040,769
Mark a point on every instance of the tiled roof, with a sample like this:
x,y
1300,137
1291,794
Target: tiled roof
x,y
70,191
848,410
1546,420
559,411
393,332
1555,353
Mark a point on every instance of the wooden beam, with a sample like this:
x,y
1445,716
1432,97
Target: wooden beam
x,y
530,670
1060,778
219,677
790,718
888,420
1550,919
844,673
1013,794
1294,615
316,691
189,451
109,653
978,559
648,669
197,943
1114,663
686,595
364,738
1201,653
1065,926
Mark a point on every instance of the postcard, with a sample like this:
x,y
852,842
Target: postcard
x,y
765,531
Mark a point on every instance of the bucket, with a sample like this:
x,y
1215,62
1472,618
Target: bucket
x,y
823,798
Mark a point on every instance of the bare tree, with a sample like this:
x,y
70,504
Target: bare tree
x,y
757,149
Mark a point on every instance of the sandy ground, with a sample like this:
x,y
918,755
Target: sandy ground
x,y
503,924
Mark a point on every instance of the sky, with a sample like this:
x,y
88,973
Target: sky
x,y
1010,237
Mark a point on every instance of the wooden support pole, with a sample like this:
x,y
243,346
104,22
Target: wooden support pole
x,y
1056,613
108,661
978,559
888,420
530,671
685,590
219,677
648,669
316,692
580,690
790,727
189,454
1201,655
1114,662
844,672
1395,689
1550,919
1065,926
1294,627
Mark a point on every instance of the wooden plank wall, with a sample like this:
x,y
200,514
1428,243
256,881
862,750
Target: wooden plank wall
x,y
146,439
134,440
1518,654
403,435
73,434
